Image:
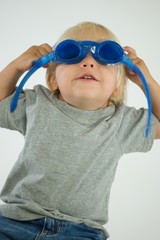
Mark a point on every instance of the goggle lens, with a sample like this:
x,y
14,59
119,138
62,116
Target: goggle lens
x,y
111,52
68,51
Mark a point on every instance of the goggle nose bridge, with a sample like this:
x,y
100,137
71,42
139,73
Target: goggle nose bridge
x,y
88,50
89,47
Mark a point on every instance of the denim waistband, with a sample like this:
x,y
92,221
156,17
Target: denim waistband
x,y
46,228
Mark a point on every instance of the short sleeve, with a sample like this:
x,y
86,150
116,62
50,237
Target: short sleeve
x,y
17,119
131,134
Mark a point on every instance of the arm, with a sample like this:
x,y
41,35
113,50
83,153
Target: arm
x,y
154,87
12,72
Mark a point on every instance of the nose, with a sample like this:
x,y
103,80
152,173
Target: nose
x,y
88,62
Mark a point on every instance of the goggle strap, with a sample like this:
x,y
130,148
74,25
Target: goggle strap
x,y
20,87
134,68
44,60
36,65
148,96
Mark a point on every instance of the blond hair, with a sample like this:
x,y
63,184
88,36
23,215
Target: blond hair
x,y
98,33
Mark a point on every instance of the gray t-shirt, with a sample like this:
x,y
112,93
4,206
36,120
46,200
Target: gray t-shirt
x,y
70,156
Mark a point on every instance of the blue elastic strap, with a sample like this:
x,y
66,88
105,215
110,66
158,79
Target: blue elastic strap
x,y
127,61
36,65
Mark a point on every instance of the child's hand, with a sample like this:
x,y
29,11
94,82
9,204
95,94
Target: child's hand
x,y
131,53
24,61
13,71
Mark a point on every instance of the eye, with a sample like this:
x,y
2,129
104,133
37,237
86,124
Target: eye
x,y
69,51
109,52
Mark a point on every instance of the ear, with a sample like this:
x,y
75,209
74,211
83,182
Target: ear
x,y
115,92
53,83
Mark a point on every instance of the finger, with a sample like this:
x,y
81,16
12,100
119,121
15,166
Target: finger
x,y
129,72
131,52
44,49
46,46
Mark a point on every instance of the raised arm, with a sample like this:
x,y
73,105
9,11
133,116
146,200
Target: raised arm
x,y
10,75
154,87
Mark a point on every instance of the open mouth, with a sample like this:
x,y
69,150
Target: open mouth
x,y
87,77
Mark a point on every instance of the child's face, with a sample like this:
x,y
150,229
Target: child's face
x,y
86,85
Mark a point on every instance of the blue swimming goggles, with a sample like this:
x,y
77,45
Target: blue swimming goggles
x,y
70,52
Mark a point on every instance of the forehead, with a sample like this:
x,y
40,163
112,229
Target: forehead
x,y
90,34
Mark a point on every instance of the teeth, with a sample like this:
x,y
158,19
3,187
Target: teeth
x,y
87,77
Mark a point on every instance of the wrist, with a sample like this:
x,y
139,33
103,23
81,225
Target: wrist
x,y
16,68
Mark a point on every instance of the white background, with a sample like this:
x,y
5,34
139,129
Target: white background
x,y
134,209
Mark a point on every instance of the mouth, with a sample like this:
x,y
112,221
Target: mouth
x,y
87,77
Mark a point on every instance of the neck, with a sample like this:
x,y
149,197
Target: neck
x,y
85,104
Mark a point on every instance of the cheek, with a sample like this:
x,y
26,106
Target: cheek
x,y
62,72
58,72
62,76
112,70
110,75
59,75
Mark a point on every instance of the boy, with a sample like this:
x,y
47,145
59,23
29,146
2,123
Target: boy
x,y
75,133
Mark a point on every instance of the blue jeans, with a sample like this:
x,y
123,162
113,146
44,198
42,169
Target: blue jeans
x,y
47,229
